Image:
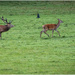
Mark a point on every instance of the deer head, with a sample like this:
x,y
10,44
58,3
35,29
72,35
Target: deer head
x,y
8,23
60,21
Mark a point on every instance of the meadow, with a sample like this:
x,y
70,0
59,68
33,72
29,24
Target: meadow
x,y
22,51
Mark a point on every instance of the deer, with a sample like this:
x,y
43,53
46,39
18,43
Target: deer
x,y
4,28
51,27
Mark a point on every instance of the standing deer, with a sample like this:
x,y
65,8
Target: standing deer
x,y
4,28
51,27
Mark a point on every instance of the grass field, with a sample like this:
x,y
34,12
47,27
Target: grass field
x,y
22,51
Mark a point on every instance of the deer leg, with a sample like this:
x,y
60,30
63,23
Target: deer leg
x,y
58,32
0,35
46,33
52,32
41,33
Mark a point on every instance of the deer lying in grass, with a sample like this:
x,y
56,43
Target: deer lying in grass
x,y
51,27
4,28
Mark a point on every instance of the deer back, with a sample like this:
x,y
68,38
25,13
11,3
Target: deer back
x,y
49,26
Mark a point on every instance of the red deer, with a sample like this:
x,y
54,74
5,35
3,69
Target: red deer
x,y
51,27
4,28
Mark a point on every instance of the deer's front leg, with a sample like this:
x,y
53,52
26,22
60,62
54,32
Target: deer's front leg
x,y
0,36
58,32
52,32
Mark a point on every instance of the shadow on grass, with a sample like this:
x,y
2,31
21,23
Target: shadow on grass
x,y
67,36
57,37
45,38
2,39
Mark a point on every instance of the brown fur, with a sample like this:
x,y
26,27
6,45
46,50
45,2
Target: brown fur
x,y
51,27
4,28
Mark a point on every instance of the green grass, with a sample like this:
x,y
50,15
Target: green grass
x,y
22,51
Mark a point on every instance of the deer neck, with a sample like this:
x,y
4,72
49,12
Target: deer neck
x,y
7,27
58,24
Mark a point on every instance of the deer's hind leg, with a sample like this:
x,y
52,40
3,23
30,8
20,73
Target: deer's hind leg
x,y
41,32
46,33
44,30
